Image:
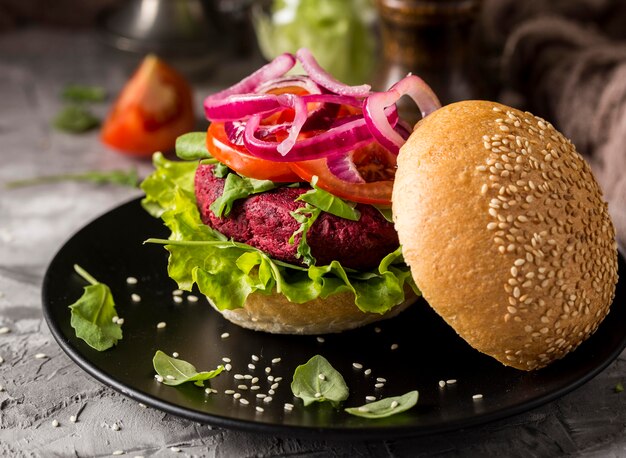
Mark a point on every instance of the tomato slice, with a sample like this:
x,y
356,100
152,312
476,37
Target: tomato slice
x,y
154,108
374,163
236,157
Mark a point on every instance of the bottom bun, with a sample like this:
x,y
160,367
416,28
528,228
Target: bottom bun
x,y
275,314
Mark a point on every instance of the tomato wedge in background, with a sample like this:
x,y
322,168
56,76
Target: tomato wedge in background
x,y
154,107
374,163
236,157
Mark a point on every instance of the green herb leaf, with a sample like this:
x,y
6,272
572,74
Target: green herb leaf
x,y
385,407
119,177
227,272
75,119
81,93
619,387
192,146
309,386
306,216
176,371
386,212
238,187
330,203
220,170
92,314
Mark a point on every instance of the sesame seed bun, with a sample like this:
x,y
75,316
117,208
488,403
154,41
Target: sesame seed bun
x,y
506,231
275,314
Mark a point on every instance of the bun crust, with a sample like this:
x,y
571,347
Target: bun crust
x,y
506,231
274,313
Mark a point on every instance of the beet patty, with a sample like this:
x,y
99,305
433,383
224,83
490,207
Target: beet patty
x,y
264,222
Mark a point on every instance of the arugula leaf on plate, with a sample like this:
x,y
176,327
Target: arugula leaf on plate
x,y
192,146
329,203
385,407
177,371
318,381
238,187
306,216
93,313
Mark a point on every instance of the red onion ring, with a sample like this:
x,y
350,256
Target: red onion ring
x,y
325,79
375,104
236,107
343,167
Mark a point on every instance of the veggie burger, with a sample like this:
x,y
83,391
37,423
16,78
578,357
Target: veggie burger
x,y
281,214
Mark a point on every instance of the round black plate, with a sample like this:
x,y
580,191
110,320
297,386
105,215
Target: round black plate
x,y
111,249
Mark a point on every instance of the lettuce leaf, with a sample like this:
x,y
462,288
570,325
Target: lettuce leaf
x,y
227,271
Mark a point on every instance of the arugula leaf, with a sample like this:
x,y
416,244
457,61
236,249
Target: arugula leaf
x,y
385,407
75,119
306,216
318,381
120,177
176,371
385,211
92,314
82,93
238,187
329,203
220,170
227,272
192,146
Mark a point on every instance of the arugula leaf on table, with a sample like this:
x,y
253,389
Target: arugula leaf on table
x,y
329,203
176,371
318,381
120,177
75,119
93,313
82,93
385,407
306,216
238,187
192,146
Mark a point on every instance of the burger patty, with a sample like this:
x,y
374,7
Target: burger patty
x,y
264,222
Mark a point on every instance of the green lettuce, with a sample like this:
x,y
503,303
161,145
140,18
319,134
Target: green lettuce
x,y
227,271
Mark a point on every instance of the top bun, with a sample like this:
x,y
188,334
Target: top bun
x,y
506,231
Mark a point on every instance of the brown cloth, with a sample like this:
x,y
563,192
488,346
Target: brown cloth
x,y
566,62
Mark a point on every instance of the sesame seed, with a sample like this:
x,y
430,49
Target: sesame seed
x,y
237,395
394,346
321,376
379,385
259,409
357,365
55,423
254,380
251,366
247,377
225,335
271,392
267,399
274,386
255,387
270,378
367,371
442,383
120,321
243,401
170,377
318,395
320,339
192,298
242,387
276,360
363,409
229,391
370,398
288,406
131,280
381,380
117,452
278,379
268,370
135,297
452,381
40,356
238,377
115,427
210,391
177,292
161,325
394,404
177,299
477,397
115,319
158,378
226,360
261,395
174,449
73,418
255,358
377,330
5,330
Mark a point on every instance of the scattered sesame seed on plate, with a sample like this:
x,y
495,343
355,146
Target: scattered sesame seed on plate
x,y
267,399
229,392
247,377
251,366
394,346
5,330
158,378
274,386
225,335
367,371
277,379
377,330
226,360
118,452
131,280
238,377
381,380
115,319
259,409
261,395
320,339
40,356
318,395
379,385
73,418
321,376
268,370
370,398
175,354
237,395
357,365
255,358
271,392
242,387
452,381
143,406
174,449
442,383
228,367
115,427
477,397
135,297
192,298
276,360
255,387
254,380
394,404
363,409
55,423
243,401
120,321
177,299
170,377
177,292
161,325
288,406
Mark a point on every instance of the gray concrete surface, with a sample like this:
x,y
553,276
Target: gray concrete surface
x,y
35,221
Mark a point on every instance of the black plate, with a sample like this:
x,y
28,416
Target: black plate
x,y
111,249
